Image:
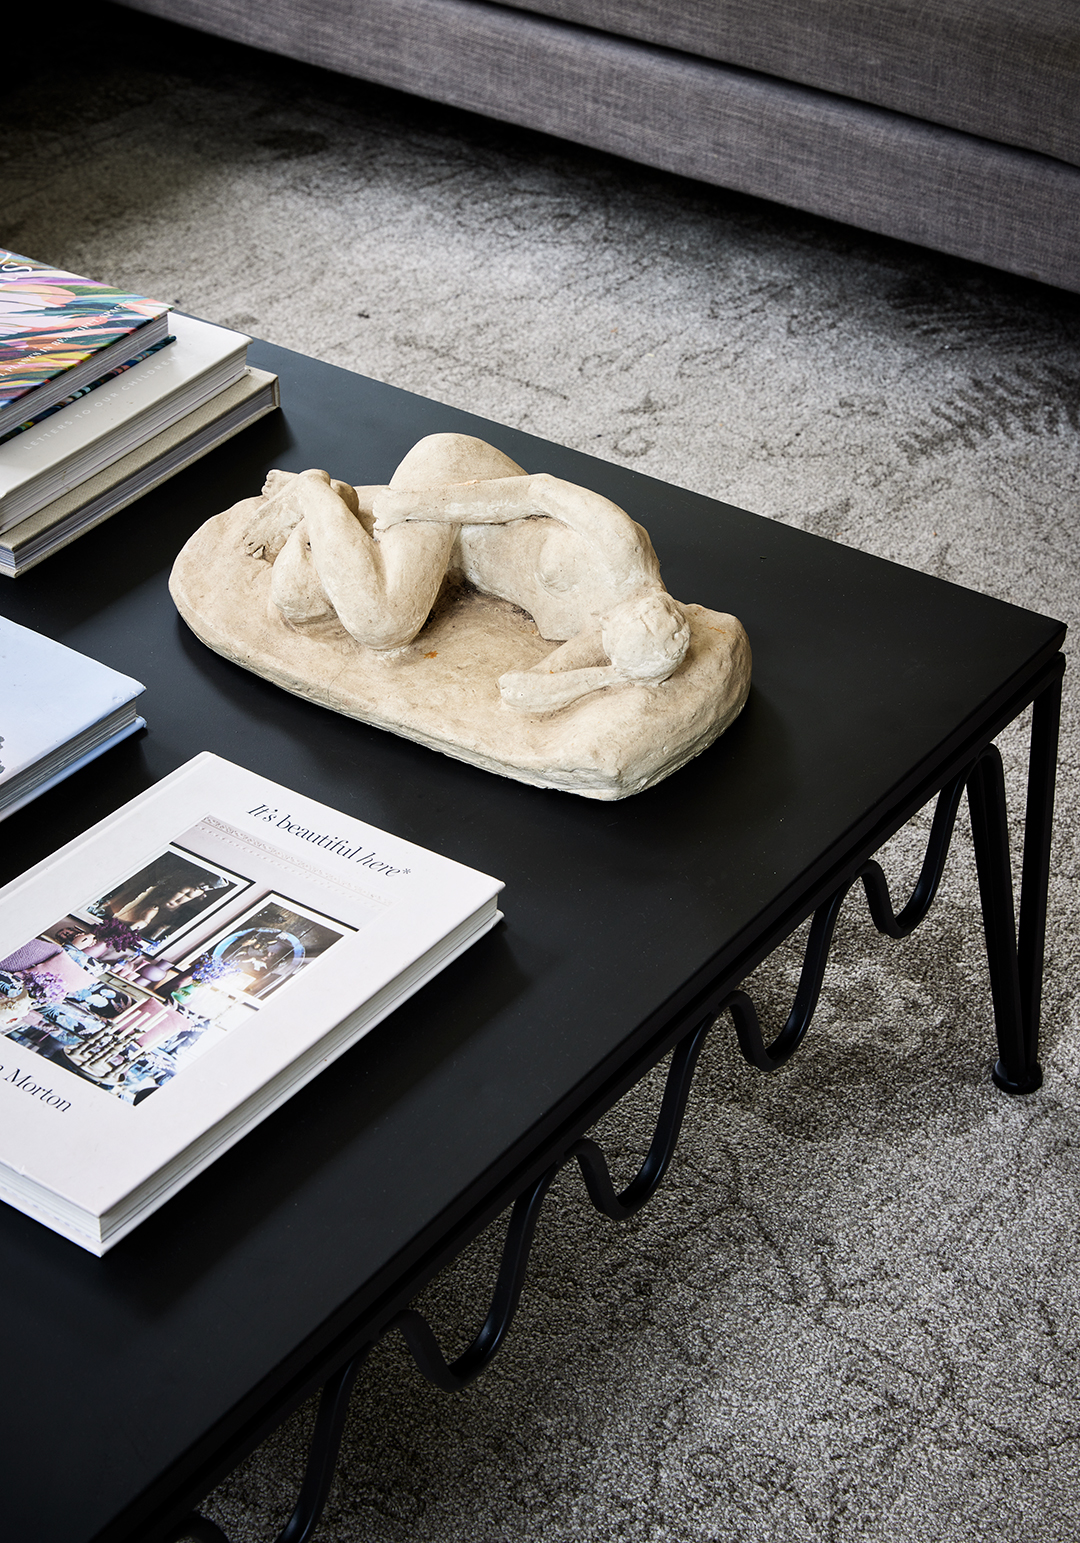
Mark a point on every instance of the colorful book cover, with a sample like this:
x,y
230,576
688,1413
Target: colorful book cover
x,y
51,321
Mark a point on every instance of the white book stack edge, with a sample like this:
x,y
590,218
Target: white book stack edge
x,y
177,972
80,508
58,710
89,434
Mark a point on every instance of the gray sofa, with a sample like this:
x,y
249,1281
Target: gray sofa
x,y
952,123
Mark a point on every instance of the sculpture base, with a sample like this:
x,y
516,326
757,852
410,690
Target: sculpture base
x,y
442,689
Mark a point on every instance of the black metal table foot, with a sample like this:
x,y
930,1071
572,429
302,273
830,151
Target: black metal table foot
x,y
1029,1083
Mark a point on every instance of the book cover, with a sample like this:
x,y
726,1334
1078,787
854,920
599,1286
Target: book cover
x,y
52,321
171,976
50,697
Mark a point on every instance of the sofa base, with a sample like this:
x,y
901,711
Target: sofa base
x,y
879,170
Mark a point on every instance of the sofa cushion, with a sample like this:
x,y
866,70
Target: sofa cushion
x,y
812,149
1006,69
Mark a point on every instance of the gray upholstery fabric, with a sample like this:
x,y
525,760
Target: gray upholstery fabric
x,y
1010,208
1006,69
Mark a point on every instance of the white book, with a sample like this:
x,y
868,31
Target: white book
x,y
174,974
198,432
58,709
39,464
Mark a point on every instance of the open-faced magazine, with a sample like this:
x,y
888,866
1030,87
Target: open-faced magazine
x,y
171,976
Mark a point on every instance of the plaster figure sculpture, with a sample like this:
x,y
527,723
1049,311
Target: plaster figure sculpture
x,y
517,622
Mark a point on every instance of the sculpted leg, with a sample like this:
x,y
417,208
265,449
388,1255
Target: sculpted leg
x,y
296,590
381,590
279,514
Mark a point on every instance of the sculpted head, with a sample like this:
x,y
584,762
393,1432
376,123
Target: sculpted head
x,y
646,639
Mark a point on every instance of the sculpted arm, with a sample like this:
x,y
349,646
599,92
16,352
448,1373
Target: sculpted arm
x,y
625,547
642,641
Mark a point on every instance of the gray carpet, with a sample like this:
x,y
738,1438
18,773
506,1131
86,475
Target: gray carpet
x,y
852,1311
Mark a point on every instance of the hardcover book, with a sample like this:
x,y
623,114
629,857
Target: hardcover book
x,y
91,385
173,975
59,331
58,710
56,524
36,467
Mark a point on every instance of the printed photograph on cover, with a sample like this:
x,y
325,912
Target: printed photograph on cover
x,y
138,982
114,999
166,897
264,948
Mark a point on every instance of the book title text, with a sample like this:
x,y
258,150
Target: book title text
x,y
335,844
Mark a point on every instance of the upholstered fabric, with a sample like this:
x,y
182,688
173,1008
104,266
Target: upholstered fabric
x,y
886,172
1005,69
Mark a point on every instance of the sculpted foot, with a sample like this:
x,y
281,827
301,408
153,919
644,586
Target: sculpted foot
x,y
533,691
273,524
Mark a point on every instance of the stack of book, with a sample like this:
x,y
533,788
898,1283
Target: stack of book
x,y
103,395
58,710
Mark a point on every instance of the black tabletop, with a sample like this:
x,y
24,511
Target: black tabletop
x,y
117,1371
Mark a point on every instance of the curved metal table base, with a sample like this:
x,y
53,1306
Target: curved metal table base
x,y
1015,966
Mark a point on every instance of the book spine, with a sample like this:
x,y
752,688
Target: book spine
x,y
92,385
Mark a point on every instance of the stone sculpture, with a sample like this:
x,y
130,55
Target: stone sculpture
x,y
430,606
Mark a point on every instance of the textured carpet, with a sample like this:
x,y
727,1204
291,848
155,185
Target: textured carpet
x,y
852,1311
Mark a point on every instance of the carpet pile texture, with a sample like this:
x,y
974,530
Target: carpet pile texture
x,y
851,1313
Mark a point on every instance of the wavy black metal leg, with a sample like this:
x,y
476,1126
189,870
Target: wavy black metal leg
x,y
990,834
322,1456
452,1375
1016,981
769,1058
903,924
1035,878
319,1474
418,1334
1015,972
593,1164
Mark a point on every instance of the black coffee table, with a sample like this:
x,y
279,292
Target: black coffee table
x,y
132,1384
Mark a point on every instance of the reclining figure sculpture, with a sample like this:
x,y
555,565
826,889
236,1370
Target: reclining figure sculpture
x,y
463,546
